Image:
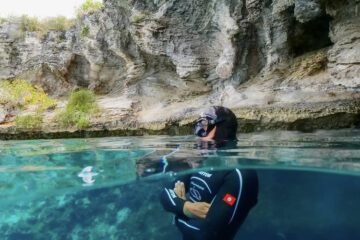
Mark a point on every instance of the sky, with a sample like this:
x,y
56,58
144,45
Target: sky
x,y
40,8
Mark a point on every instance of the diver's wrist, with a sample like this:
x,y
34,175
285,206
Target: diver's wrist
x,y
186,208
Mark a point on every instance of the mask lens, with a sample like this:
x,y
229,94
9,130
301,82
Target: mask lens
x,y
202,133
199,130
204,122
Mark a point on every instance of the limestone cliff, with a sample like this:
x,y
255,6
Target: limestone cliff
x,y
292,64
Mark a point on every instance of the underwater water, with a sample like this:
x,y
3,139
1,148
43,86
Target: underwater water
x,y
108,188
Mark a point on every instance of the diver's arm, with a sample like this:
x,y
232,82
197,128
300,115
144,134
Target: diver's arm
x,y
196,210
190,209
224,208
172,202
180,207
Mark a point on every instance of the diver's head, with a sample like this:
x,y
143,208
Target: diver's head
x,y
216,123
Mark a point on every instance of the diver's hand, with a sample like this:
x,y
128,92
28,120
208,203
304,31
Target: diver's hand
x,y
196,210
180,190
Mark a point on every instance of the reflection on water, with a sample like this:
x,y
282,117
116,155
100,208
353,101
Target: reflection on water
x,y
87,176
90,188
28,167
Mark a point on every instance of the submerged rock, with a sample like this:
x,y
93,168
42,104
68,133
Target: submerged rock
x,y
122,215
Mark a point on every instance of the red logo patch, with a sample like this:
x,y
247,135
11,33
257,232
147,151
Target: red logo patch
x,y
229,199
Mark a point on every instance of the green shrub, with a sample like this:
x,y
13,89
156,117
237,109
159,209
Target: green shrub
x,y
20,93
85,31
82,122
139,18
3,20
29,24
89,7
80,107
59,40
41,27
68,118
28,121
83,100
59,23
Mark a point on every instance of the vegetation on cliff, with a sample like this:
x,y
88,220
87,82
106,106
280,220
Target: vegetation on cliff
x,y
29,121
88,7
80,107
141,17
41,27
85,31
60,23
29,105
19,94
3,20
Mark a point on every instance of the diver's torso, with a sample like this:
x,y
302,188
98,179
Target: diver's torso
x,y
203,186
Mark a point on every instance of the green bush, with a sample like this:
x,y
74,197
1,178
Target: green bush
x,y
41,27
28,121
89,7
20,93
85,31
80,107
59,23
29,24
83,100
69,118
82,122
3,20
139,18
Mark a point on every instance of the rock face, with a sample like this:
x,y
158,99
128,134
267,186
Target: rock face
x,y
3,114
159,61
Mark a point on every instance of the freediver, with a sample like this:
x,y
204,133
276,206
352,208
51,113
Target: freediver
x,y
211,205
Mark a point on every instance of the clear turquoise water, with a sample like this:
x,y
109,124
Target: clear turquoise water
x,y
108,188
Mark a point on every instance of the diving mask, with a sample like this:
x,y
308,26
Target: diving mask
x,y
203,125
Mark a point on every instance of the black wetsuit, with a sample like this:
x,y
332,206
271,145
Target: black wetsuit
x,y
232,193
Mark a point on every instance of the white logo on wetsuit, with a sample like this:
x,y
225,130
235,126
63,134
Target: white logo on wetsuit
x,y
195,193
205,174
172,193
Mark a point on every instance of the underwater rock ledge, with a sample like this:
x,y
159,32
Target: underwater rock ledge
x,y
300,117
